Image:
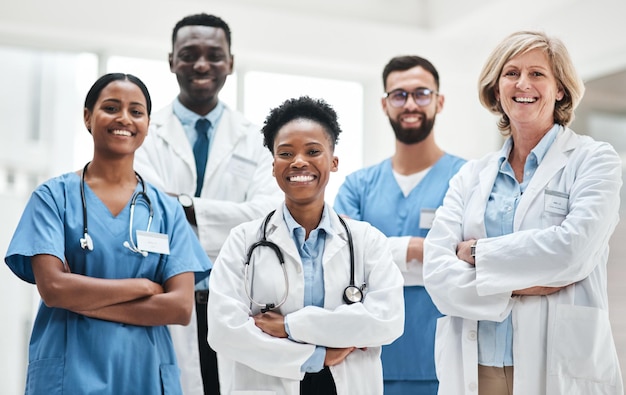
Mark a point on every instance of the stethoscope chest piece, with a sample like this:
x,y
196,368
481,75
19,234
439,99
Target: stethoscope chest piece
x,y
352,294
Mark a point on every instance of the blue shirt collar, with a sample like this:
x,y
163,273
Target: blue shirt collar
x,y
540,149
292,225
189,118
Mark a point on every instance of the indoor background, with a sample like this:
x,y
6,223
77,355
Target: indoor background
x,y
52,51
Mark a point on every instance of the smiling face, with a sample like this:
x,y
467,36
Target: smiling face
x,y
412,123
528,91
201,61
119,119
303,160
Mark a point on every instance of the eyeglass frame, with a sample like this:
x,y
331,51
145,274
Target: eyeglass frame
x,y
427,94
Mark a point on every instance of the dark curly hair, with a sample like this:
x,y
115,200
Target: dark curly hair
x,y
304,107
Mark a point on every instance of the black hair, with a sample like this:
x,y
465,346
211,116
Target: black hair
x,y
102,82
202,20
402,63
304,107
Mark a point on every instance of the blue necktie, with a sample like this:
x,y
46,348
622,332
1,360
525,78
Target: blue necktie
x,y
201,151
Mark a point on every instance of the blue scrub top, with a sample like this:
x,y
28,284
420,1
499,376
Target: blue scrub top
x,y
70,353
373,195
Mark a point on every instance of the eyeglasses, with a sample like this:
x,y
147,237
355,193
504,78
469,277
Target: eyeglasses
x,y
422,97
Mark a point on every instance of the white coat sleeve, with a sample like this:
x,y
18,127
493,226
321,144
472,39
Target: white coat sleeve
x,y
451,282
232,331
560,250
379,320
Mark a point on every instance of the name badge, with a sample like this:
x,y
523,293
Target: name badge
x,y
241,167
556,202
153,242
427,216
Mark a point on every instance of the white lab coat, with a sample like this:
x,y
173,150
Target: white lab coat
x,y
562,343
238,187
250,360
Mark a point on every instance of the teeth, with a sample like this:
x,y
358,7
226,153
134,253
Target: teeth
x,y
525,99
301,178
122,133
411,119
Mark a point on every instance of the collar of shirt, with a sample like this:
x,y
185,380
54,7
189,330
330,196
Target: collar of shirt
x,y
292,225
189,118
538,152
311,253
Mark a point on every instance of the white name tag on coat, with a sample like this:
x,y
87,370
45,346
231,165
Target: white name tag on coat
x,y
241,167
556,202
153,242
427,216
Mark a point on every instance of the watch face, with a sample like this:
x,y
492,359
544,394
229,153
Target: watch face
x,y
185,200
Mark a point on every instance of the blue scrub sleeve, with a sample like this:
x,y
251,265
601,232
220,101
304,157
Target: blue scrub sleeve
x,y
39,231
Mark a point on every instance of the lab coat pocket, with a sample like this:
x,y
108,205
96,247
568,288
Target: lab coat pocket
x,y
45,376
549,219
170,379
581,349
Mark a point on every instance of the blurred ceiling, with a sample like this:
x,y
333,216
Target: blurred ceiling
x,y
473,21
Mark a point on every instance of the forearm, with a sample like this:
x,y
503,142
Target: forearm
x,y
163,309
174,306
77,292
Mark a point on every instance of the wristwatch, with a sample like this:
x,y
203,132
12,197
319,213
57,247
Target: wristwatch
x,y
473,250
187,202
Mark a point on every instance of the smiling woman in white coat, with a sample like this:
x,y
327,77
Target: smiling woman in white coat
x,y
516,258
313,324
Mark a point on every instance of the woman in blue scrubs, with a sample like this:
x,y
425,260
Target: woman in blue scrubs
x,y
114,261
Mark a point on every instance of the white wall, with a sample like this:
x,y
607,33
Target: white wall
x,y
319,45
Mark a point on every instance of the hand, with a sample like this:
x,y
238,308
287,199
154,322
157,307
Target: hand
x,y
537,291
464,251
271,323
335,356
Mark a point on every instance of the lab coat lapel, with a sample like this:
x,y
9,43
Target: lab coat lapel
x,y
230,130
486,179
168,126
278,233
335,243
554,160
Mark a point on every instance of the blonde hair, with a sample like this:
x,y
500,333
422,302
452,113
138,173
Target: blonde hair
x,y
562,67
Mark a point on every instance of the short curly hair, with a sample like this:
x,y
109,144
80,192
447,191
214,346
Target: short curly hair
x,y
304,107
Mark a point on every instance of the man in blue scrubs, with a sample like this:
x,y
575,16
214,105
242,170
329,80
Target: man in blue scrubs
x,y
399,196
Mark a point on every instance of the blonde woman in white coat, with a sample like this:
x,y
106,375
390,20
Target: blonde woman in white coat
x,y
517,254
314,342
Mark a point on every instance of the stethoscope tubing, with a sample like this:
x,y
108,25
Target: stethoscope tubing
x,y
87,243
263,242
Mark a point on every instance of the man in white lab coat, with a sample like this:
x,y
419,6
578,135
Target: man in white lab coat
x,y
198,134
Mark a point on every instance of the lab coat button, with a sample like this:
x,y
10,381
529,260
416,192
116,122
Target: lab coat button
x,y
471,335
472,386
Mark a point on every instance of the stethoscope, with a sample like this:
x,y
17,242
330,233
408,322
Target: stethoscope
x,y
351,294
86,243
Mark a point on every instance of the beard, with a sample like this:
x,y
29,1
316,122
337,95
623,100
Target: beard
x,y
413,135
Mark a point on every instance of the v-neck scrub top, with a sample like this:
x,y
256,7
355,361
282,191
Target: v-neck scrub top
x,y
70,353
